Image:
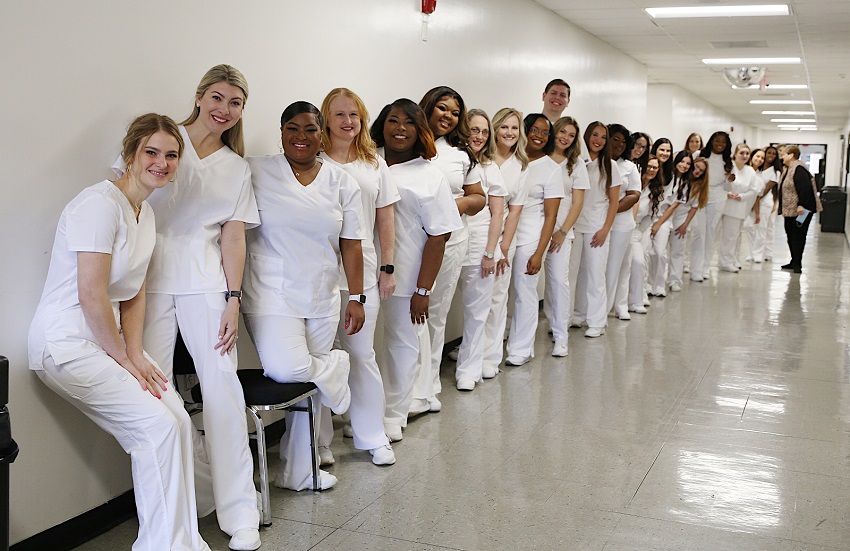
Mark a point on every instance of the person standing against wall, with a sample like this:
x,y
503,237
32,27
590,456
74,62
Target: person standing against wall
x,y
798,204
718,153
556,98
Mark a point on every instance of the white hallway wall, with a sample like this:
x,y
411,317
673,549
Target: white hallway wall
x,y
75,76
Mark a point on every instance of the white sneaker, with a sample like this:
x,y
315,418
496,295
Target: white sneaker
x,y
697,279
434,404
686,269
326,456
675,287
646,304
383,455
575,322
730,269
593,332
624,316
638,309
453,353
418,406
489,372
347,431
661,293
465,384
246,539
393,432
560,349
326,482
517,360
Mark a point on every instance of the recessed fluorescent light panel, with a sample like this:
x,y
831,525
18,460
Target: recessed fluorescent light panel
x,y
780,102
719,11
741,61
809,121
787,112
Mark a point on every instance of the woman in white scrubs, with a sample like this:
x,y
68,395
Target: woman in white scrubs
x,y
759,220
741,197
600,208
478,272
449,123
194,284
641,243
85,342
662,148
639,153
556,298
693,144
545,184
666,219
718,152
424,219
618,269
310,214
693,201
512,161
346,144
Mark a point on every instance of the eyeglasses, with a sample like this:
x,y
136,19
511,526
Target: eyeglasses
x,y
650,167
476,131
535,130
639,146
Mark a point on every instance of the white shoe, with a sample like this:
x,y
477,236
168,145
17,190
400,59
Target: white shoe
x,y
638,309
749,259
675,287
326,482
453,353
434,404
757,260
393,432
646,304
593,332
707,274
730,269
465,384
246,539
489,372
326,456
686,269
347,431
417,407
623,316
517,360
697,279
575,322
560,349
383,455
661,293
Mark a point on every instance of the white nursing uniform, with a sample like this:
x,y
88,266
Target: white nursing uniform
x,y
640,251
676,265
591,299
291,291
556,297
618,269
377,190
706,227
185,289
544,180
514,177
761,235
457,167
68,358
658,250
477,292
748,185
426,208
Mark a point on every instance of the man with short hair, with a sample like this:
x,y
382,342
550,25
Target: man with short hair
x,y
556,98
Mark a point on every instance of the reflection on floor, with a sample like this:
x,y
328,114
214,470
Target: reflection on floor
x,y
720,420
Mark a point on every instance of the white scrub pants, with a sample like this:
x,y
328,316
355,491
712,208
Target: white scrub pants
x,y
760,236
556,296
402,340
157,434
658,259
367,388
427,383
298,350
497,318
637,280
477,293
224,468
730,231
704,235
591,297
618,269
677,248
526,304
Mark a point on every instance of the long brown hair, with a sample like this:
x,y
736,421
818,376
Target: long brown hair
x,y
604,157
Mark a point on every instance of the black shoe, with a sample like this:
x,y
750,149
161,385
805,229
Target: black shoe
x,y
787,266
798,270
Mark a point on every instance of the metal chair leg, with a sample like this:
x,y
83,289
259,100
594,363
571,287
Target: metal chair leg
x,y
314,443
266,517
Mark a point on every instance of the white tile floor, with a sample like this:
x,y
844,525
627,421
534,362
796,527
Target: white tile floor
x,y
720,420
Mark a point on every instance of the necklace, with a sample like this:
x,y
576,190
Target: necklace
x,y
298,174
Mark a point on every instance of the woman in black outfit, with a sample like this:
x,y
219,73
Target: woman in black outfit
x,y
796,198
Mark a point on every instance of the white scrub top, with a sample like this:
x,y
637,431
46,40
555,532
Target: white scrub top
x,y
292,267
747,185
717,185
515,179
100,219
595,209
377,190
189,215
544,180
455,165
578,179
644,209
479,224
624,221
426,208
765,176
668,198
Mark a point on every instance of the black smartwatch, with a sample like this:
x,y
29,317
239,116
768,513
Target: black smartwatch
x,y
389,268
229,294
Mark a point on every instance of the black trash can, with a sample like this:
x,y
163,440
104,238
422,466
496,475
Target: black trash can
x,y
8,453
834,201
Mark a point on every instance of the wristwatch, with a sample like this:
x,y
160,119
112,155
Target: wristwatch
x,y
357,298
562,232
488,254
423,292
389,268
229,294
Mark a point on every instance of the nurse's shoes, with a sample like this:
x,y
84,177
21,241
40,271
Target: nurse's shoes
x,y
383,455
675,287
393,432
517,361
246,539
326,482
593,332
489,372
326,456
434,404
465,384
697,279
575,322
347,431
560,348
624,315
454,352
641,309
417,407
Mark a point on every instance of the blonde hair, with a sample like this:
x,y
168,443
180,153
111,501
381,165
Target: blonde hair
x,y
233,137
364,146
699,186
573,151
739,147
488,152
141,129
518,149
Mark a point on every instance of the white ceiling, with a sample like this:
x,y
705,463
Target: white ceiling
x,y
818,31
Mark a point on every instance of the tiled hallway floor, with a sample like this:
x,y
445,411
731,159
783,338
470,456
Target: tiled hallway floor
x,y
720,420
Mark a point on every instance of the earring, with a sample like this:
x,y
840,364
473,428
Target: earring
x,y
173,179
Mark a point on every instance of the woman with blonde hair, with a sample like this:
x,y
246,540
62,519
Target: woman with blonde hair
x,y
743,190
346,144
693,144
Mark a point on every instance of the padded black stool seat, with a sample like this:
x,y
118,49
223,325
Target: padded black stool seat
x,y
259,390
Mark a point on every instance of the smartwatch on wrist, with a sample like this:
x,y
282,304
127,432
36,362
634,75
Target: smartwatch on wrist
x,y
422,291
488,254
388,268
230,294
357,298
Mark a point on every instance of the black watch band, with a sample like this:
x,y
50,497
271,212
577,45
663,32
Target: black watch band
x,y
230,294
388,268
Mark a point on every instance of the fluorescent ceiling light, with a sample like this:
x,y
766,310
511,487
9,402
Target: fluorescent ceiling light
x,y
787,112
773,87
780,102
741,61
810,121
719,11
796,126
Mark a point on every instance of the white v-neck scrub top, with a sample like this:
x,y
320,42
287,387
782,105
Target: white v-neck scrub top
x,y
544,180
292,267
595,208
189,215
455,165
100,219
577,179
